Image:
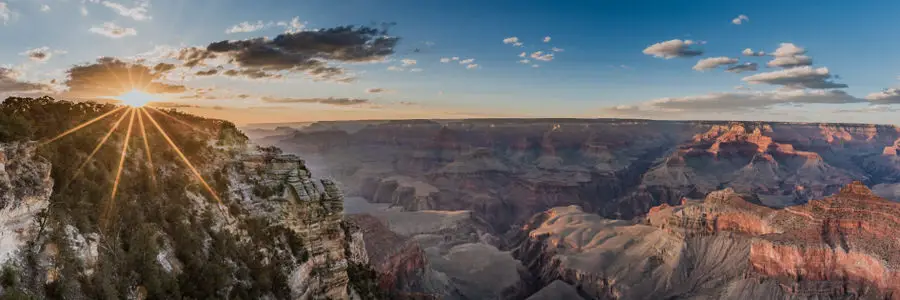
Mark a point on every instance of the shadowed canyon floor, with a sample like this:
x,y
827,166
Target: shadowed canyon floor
x,y
605,209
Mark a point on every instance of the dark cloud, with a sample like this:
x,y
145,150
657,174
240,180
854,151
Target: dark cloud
x,y
209,72
110,76
375,90
10,82
193,56
303,51
250,73
39,54
744,67
331,101
163,67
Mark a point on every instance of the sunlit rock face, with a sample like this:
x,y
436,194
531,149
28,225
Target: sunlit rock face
x,y
312,211
726,246
25,188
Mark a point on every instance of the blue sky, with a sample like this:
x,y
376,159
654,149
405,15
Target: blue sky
x,y
602,70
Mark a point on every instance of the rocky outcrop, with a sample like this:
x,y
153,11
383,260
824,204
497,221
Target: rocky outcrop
x,y
727,246
25,188
312,211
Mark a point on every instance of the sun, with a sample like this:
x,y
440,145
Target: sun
x,y
135,98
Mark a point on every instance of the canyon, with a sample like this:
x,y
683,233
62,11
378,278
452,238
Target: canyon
x,y
615,208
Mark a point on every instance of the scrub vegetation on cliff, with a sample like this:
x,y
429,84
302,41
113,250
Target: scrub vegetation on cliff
x,y
164,238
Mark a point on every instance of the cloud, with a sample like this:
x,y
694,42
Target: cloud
x,y
6,14
45,7
445,60
416,70
41,54
251,74
408,62
466,61
472,66
788,49
540,55
790,61
714,62
672,48
84,11
245,27
110,29
546,39
303,51
554,49
736,101
744,67
10,82
329,101
375,90
740,19
395,68
799,77
523,54
525,61
512,40
455,58
138,12
750,52
535,66
293,26
886,96
209,72
110,76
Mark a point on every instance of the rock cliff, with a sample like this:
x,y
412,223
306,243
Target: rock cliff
x,y
726,246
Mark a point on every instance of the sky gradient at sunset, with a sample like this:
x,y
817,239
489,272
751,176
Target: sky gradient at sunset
x,y
296,61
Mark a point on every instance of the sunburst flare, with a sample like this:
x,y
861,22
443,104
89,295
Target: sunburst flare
x,y
100,144
112,196
83,125
183,157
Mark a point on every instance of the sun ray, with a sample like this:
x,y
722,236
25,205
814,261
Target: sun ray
x,y
112,196
130,80
184,158
116,76
96,148
147,148
82,125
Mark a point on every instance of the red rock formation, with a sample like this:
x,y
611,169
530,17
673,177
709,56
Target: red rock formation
x,y
846,241
399,262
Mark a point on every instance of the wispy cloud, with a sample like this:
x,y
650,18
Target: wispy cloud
x,y
740,20
512,41
6,14
245,27
110,29
138,12
328,101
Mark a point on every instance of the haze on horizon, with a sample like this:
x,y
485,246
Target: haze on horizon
x,y
290,61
